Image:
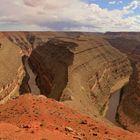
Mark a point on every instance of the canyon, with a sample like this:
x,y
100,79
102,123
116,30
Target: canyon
x,y
82,71
128,112
69,62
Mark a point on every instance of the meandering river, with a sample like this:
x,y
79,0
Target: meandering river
x,y
112,107
32,81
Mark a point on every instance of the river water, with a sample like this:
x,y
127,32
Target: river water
x,y
32,81
112,107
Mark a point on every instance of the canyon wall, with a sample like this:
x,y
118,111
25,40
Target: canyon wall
x,y
79,69
80,72
129,109
11,68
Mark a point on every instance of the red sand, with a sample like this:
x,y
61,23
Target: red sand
x,y
39,118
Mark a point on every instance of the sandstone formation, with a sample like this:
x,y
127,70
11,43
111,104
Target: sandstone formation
x,y
80,69
11,68
81,72
38,118
129,110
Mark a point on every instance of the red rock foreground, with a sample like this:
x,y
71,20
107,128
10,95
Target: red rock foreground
x,y
37,118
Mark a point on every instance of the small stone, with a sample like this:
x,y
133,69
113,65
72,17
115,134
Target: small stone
x,y
32,131
41,125
25,126
94,134
106,132
77,137
69,129
83,122
44,139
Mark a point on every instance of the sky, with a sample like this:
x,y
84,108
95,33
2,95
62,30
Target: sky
x,y
70,15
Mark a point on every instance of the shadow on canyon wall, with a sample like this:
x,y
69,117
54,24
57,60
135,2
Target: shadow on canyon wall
x,y
129,101
50,63
24,87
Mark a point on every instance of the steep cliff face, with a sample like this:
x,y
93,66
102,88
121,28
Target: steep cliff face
x,y
81,72
80,69
129,110
20,39
28,41
11,68
51,62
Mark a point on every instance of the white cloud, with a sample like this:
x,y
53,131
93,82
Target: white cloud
x,y
120,1
66,15
115,2
112,2
133,5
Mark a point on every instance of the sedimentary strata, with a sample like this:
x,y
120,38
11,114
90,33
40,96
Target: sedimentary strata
x,y
129,109
79,69
81,72
11,68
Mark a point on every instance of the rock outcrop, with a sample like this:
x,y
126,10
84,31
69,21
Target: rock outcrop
x,y
11,68
129,109
81,72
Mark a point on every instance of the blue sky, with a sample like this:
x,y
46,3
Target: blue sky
x,y
70,15
116,4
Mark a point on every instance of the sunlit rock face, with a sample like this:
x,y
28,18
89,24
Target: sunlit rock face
x,y
11,68
79,69
129,109
82,72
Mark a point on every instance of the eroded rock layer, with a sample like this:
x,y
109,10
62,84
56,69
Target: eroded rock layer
x,y
81,72
129,110
11,68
